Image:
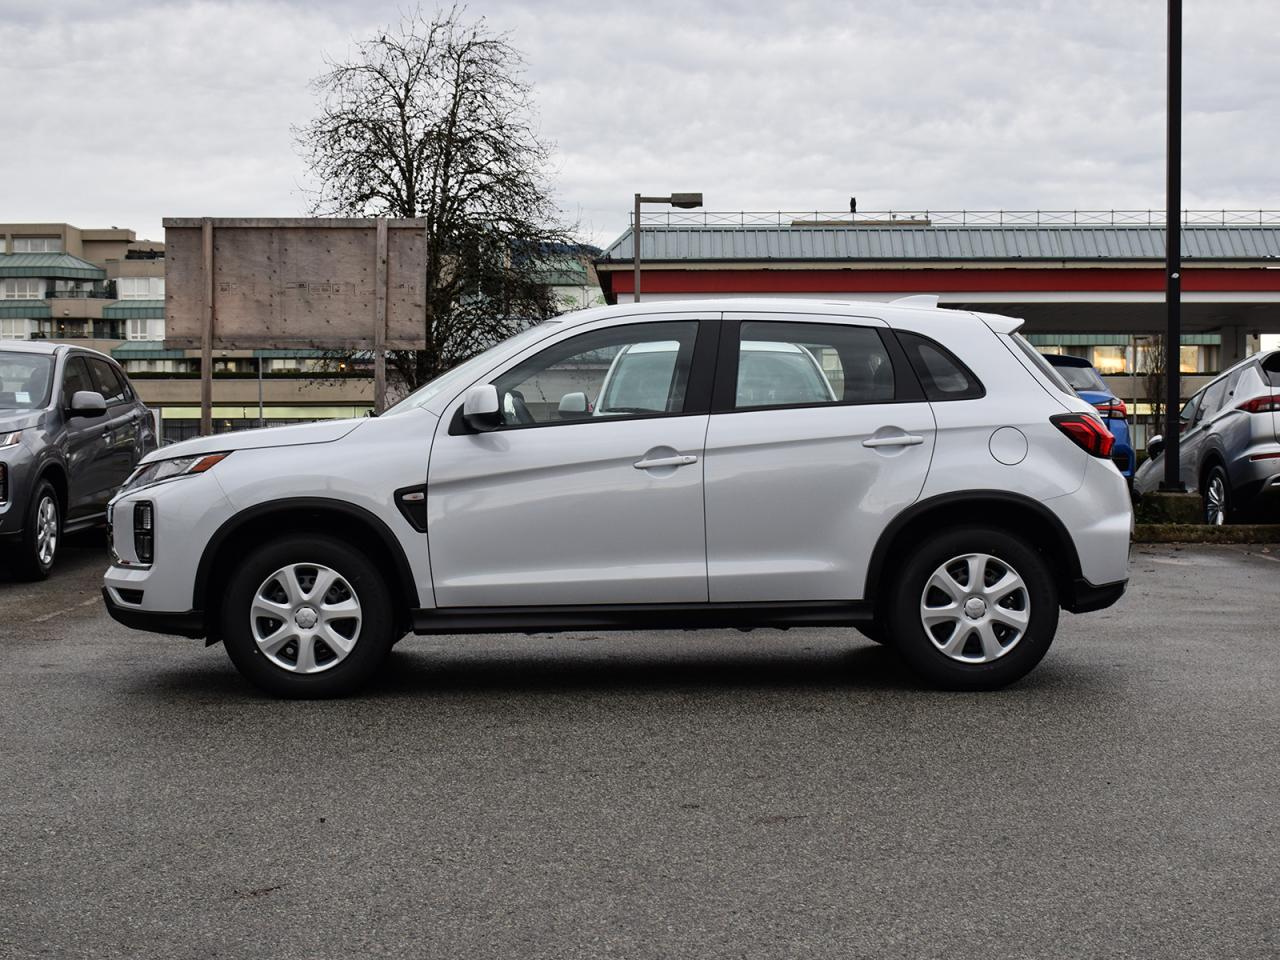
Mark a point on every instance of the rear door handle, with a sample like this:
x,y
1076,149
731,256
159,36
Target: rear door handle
x,y
901,440
681,461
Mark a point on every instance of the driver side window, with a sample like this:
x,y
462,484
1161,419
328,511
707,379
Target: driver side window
x,y
627,371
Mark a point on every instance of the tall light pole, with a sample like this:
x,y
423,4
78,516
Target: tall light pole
x,y
1173,252
686,201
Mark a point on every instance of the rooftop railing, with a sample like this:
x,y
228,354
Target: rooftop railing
x,y
954,218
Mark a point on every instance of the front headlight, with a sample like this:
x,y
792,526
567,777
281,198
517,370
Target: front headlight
x,y
163,470
11,439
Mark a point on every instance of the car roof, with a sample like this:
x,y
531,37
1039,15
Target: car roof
x,y
43,347
789,308
49,348
750,346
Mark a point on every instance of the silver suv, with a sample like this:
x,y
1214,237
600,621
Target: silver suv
x,y
1230,439
921,474
71,431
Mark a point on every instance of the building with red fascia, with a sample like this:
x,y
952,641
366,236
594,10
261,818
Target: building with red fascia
x,y
1086,282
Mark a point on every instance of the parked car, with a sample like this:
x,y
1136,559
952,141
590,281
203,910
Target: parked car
x,y
947,493
1086,381
72,429
1229,448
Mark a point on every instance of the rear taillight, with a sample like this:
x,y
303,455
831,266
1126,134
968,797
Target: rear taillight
x,y
1113,409
1087,432
144,531
1265,404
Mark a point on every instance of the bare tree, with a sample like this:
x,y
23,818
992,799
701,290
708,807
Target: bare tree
x,y
432,119
1154,371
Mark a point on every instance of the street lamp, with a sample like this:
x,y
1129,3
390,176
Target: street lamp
x,y
686,201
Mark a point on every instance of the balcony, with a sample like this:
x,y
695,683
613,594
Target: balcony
x,y
90,294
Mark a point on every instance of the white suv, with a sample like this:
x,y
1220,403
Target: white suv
x,y
919,474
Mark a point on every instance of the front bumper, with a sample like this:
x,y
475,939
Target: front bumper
x,y
188,624
1085,597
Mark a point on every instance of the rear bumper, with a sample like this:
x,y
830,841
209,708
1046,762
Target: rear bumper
x,y
188,624
1085,597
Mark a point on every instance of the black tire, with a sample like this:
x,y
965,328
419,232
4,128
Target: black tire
x,y
373,640
918,648
1217,475
27,562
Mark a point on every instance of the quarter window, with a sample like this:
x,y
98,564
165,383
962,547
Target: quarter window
x,y
801,364
635,370
942,376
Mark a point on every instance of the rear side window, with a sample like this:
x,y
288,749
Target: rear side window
x,y
801,364
941,374
1271,369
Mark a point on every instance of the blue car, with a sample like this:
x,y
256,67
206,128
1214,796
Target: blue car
x,y
1084,379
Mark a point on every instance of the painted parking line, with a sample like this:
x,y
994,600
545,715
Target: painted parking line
x,y
58,613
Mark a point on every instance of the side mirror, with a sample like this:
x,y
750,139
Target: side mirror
x,y
480,408
573,406
86,403
1155,446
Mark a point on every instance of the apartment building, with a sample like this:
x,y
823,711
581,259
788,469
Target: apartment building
x,y
105,289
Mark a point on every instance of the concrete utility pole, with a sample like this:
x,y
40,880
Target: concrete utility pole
x,y
1173,252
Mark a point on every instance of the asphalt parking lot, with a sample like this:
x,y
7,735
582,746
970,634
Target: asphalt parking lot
x,y
673,795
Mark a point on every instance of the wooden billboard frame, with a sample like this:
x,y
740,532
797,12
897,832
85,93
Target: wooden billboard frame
x,y
230,302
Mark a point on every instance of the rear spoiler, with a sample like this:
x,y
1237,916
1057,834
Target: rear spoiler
x,y
1002,324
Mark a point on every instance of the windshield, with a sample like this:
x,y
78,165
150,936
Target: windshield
x,y
1082,378
25,380
464,372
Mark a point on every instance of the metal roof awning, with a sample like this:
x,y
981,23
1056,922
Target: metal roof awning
x,y
133,310
675,244
59,266
146,350
25,309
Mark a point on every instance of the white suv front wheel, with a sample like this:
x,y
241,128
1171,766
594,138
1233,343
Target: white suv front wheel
x,y
307,616
974,609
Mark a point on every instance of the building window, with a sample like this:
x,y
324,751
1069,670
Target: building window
x,y
13,328
1110,361
22,289
140,288
37,244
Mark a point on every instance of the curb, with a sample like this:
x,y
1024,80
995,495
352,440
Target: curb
x,y
1202,533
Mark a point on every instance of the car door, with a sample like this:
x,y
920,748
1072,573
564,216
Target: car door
x,y
120,428
84,444
571,501
1196,440
802,478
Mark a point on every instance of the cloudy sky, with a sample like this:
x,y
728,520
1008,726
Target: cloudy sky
x,y
122,113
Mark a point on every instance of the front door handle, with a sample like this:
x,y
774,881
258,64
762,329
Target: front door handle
x,y
680,461
899,440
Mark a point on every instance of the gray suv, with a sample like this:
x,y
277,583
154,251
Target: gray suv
x,y
1230,444
71,431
